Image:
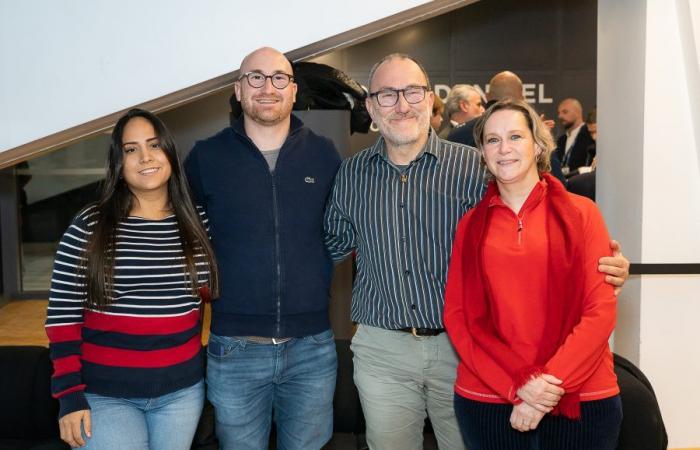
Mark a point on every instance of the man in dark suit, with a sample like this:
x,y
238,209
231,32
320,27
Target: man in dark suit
x,y
573,145
462,105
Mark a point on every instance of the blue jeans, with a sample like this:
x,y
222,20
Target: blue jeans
x,y
247,381
167,422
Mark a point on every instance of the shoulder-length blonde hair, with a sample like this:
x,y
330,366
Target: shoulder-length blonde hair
x,y
540,132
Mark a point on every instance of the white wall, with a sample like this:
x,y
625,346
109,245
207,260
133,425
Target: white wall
x,y
66,62
670,354
649,184
671,218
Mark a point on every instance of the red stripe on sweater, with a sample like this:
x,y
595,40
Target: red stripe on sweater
x,y
67,364
140,325
116,357
80,387
64,333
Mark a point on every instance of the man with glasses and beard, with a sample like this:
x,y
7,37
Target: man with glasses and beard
x,y
397,204
264,183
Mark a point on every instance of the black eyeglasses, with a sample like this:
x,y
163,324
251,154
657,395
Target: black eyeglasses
x,y
256,79
389,97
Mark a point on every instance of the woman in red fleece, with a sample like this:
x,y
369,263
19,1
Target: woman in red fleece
x,y
525,306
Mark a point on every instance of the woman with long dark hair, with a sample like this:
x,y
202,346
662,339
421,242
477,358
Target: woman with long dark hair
x,y
525,306
124,310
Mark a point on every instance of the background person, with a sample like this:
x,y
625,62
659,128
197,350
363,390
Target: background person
x,y
574,145
463,103
123,318
438,111
583,183
534,348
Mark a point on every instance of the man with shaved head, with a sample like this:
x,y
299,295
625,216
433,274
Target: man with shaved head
x,y
503,85
264,182
573,145
397,205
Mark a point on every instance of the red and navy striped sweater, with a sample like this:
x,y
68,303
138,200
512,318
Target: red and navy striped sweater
x,y
146,343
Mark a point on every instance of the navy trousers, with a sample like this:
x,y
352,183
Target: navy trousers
x,y
486,426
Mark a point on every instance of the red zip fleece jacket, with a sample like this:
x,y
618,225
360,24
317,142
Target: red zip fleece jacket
x,y
515,260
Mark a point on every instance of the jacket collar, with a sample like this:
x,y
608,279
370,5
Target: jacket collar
x,y
533,199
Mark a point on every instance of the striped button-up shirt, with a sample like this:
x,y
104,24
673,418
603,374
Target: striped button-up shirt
x,y
401,222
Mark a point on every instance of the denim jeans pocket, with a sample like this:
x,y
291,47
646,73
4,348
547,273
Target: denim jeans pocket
x,y
222,346
323,337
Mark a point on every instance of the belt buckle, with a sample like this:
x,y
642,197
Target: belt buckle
x,y
275,341
414,332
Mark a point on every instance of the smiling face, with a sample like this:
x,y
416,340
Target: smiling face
x,y
145,165
404,123
509,149
266,105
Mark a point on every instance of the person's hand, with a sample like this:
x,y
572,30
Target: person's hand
x,y
542,393
70,427
524,417
549,123
616,267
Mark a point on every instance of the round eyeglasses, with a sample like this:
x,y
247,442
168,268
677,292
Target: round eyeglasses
x,y
256,79
389,97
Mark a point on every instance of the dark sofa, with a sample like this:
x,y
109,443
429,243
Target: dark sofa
x,y
28,418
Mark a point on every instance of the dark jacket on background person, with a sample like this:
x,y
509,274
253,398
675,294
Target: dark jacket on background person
x,y
579,154
583,184
464,134
267,230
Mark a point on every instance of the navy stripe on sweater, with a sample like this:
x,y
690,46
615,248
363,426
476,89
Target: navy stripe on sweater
x,y
139,342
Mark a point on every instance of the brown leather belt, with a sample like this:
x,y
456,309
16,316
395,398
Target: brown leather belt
x,y
422,332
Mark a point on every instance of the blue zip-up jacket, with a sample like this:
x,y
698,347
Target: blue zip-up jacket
x,y
267,230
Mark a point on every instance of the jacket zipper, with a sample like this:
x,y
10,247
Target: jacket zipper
x,y
519,218
278,256
275,215
520,230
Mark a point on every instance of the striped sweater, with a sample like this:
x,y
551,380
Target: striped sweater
x,y
146,343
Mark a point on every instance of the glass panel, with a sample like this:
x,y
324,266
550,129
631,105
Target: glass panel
x,y
52,189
